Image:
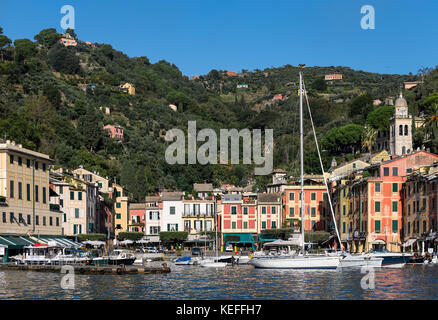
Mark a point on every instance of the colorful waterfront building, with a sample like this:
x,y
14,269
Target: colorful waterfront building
x,y
239,219
121,208
377,202
77,199
420,209
269,211
25,193
93,177
171,219
316,210
154,209
137,217
199,211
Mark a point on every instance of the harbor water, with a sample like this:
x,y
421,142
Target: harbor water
x,y
233,282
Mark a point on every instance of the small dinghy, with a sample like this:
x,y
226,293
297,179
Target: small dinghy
x,y
184,261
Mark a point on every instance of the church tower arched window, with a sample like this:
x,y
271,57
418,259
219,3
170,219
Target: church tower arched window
x,y
400,130
406,130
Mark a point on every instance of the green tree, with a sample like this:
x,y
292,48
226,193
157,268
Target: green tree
x,y
64,59
90,127
379,118
4,41
24,48
343,139
48,37
319,84
361,105
369,136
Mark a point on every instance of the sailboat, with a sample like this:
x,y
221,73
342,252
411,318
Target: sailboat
x,y
301,260
213,263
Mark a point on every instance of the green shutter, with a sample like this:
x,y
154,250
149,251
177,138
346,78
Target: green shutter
x,y
394,206
395,187
377,226
394,226
377,206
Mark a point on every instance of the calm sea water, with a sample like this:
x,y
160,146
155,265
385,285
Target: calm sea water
x,y
234,282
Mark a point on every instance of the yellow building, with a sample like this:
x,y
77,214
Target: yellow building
x,y
129,88
344,214
121,209
24,193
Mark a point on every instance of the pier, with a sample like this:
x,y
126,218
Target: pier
x,y
81,269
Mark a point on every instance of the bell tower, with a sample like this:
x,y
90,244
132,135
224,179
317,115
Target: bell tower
x,y
400,128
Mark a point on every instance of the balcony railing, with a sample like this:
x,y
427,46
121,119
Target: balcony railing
x,y
199,214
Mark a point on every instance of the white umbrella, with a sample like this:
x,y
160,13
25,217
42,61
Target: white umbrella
x,y
124,242
94,243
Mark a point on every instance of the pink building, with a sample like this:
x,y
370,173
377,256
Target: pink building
x,y
278,97
114,132
68,42
137,215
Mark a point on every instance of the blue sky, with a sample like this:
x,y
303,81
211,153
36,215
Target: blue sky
x,y
200,35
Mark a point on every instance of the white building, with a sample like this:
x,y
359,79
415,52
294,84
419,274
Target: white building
x,y
171,219
77,200
154,211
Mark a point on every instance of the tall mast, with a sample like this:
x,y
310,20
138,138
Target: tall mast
x,y
301,161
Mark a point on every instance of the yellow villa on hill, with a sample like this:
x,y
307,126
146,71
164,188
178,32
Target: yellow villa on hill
x,y
129,88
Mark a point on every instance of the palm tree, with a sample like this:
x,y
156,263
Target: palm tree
x,y
431,120
368,138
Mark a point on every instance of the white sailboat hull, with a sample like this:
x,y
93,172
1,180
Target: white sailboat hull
x,y
212,264
360,261
296,262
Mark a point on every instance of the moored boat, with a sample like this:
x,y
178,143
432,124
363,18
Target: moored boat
x,y
390,259
116,257
350,260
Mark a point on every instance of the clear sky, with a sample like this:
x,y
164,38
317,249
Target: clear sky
x,y
200,35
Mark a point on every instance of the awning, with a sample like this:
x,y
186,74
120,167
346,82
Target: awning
x,y
267,238
60,240
409,242
238,238
378,241
16,242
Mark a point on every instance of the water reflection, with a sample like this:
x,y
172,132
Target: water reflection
x,y
238,282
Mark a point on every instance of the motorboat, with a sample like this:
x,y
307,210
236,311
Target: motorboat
x,y
116,257
70,256
184,261
390,259
243,259
416,259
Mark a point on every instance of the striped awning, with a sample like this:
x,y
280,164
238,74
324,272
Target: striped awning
x,y
60,241
16,242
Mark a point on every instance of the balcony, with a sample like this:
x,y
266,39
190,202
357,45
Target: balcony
x,y
3,201
55,207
